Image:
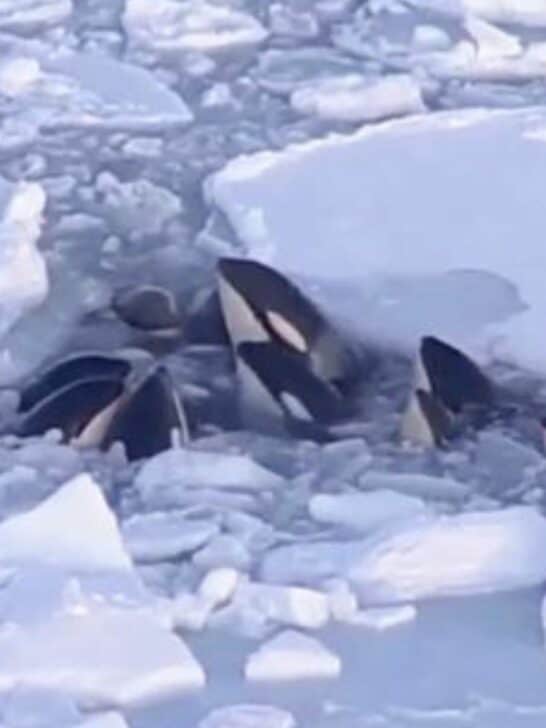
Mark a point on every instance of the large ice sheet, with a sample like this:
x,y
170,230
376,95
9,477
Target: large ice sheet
x,y
469,553
423,216
23,272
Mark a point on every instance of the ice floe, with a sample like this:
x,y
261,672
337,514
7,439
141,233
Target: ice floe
x,y
164,480
26,15
355,98
248,716
168,26
365,512
431,556
524,12
61,90
465,193
158,536
292,655
75,616
24,280
256,607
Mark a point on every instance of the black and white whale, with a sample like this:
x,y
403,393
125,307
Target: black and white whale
x,y
96,399
279,394
261,305
449,390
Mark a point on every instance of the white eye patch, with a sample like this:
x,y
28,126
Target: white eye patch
x,y
295,407
286,331
241,323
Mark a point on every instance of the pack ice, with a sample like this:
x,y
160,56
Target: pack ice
x,y
434,187
74,616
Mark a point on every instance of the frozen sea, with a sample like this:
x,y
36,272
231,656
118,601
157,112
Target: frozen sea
x,y
390,157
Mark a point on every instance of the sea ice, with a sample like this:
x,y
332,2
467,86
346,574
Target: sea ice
x,y
292,655
248,716
470,553
68,89
356,98
271,605
530,13
74,615
381,618
104,658
167,26
25,15
73,528
365,512
428,556
225,551
24,281
137,208
454,157
158,536
416,485
218,585
163,479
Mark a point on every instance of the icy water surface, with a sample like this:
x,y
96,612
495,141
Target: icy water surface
x,y
357,583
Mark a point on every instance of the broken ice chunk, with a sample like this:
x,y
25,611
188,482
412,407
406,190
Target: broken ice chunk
x,y
248,716
380,618
159,536
223,551
418,485
365,512
292,655
23,274
469,553
58,532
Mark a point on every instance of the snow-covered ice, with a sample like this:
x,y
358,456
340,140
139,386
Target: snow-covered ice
x,y
416,485
465,194
292,655
380,618
248,716
170,27
355,98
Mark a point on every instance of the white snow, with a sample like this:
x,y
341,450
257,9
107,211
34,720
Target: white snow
x,y
24,281
365,512
167,26
158,536
461,220
74,528
355,98
248,716
292,655
218,585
